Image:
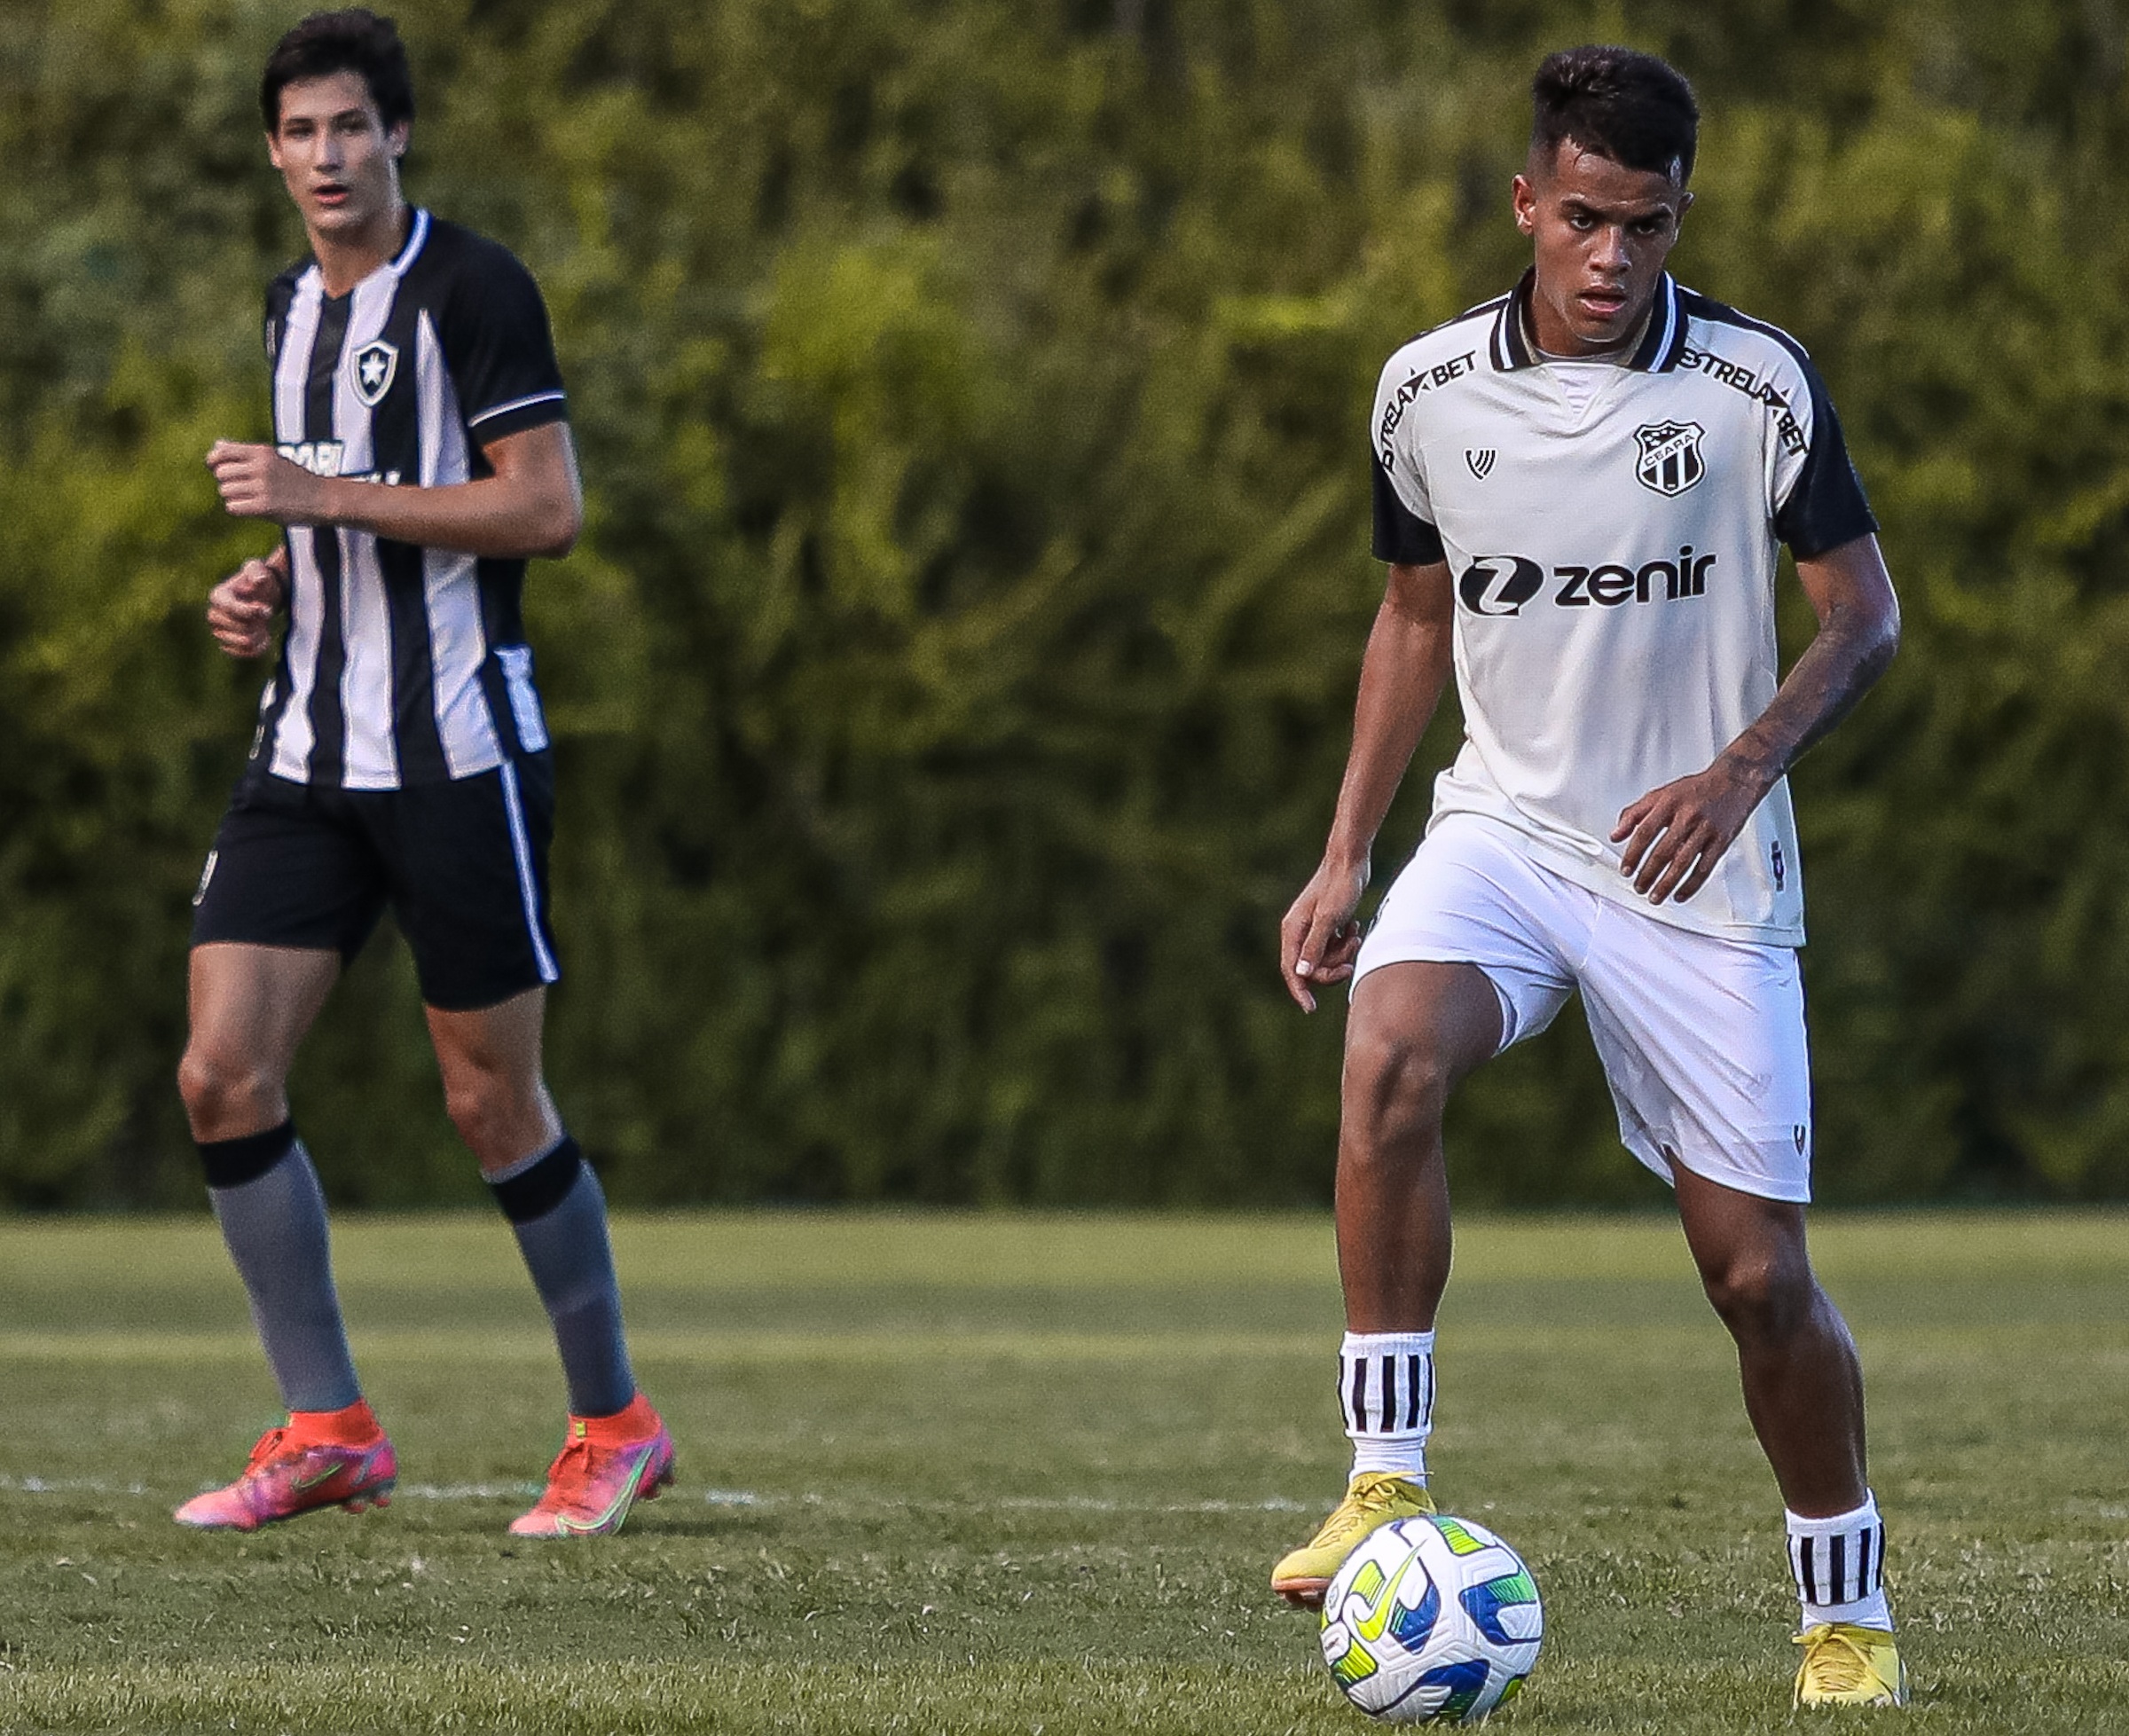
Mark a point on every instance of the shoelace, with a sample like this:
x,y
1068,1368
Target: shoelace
x,y
1834,1662
581,1448
1369,1497
268,1451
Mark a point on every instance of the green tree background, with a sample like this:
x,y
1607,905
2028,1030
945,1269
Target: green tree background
x,y
953,683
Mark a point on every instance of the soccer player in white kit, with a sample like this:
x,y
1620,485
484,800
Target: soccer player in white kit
x,y
1580,488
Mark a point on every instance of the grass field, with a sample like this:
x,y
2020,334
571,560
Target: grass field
x,y
1028,1474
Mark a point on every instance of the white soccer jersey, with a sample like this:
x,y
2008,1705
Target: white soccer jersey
x,y
1614,555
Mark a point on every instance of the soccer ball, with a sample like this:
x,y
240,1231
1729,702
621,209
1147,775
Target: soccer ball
x,y
1431,1621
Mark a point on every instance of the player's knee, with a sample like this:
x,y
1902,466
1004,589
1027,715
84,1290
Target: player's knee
x,y
1762,1297
476,1106
220,1092
1396,1084
492,1112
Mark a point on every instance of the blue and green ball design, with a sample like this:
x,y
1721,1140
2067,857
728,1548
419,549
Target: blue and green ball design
x,y
1432,1620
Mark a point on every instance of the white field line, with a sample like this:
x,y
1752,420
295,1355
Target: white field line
x,y
727,1346
715,1497
1085,1504
742,1497
722,1497
68,1486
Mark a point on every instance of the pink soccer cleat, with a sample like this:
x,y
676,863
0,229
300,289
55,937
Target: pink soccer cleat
x,y
299,1466
607,1465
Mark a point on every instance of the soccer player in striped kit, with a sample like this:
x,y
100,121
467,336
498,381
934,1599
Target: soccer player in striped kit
x,y
421,455
1579,489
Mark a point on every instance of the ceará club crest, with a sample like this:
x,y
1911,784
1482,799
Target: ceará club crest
x,y
1669,460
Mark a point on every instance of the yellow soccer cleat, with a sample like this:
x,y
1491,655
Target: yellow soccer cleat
x,y
1850,1666
1375,1497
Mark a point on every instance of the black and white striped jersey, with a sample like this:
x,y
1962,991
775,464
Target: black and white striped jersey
x,y
404,664
1612,530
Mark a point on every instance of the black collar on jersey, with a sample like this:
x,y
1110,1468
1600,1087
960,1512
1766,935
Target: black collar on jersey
x,y
1658,352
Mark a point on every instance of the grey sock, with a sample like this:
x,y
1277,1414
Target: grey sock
x,y
554,1204
272,1214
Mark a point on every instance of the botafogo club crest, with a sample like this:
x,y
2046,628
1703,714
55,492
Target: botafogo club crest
x,y
1670,460
375,364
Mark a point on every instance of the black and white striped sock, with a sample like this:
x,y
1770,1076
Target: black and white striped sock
x,y
1385,1386
1839,1564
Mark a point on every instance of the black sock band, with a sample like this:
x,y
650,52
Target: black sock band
x,y
533,1193
230,1163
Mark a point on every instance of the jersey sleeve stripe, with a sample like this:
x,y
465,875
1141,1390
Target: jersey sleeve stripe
x,y
494,410
1718,313
1480,312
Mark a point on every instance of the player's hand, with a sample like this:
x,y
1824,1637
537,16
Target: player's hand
x,y
1319,939
1675,835
256,481
240,609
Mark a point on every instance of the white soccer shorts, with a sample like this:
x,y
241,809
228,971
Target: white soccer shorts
x,y
1701,1038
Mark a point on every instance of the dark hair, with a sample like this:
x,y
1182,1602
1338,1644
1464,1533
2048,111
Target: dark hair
x,y
1620,103
355,41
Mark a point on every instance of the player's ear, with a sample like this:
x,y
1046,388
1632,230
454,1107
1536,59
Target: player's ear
x,y
1525,201
1678,217
396,139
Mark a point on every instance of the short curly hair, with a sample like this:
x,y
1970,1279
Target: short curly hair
x,y
353,41
1621,104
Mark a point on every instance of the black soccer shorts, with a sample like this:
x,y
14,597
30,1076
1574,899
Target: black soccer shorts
x,y
463,866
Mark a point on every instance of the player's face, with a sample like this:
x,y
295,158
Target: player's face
x,y
339,160
1602,233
